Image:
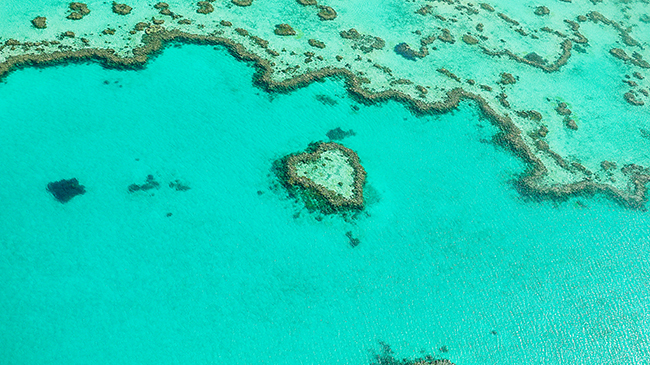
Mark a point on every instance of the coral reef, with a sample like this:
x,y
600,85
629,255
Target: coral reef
x,y
542,10
316,43
39,22
121,9
78,11
326,13
284,29
204,7
242,2
409,53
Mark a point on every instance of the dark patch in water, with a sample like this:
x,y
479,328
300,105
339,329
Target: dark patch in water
x,y
579,48
534,57
64,190
148,185
405,51
354,242
326,100
178,185
338,134
644,133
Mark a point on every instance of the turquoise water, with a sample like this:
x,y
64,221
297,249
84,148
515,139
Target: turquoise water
x,y
449,251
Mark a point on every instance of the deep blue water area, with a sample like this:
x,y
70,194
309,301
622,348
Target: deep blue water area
x,y
239,273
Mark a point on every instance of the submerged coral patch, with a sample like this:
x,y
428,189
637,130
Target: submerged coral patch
x,y
387,357
338,134
64,190
39,22
149,184
121,9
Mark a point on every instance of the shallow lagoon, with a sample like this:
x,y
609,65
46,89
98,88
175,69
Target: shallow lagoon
x,y
449,251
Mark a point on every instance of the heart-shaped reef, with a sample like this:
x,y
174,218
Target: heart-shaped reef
x,y
328,173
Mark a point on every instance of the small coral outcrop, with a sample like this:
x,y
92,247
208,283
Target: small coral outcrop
x,y
121,9
39,22
79,10
284,29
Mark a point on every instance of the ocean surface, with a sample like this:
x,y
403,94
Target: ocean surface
x,y
452,261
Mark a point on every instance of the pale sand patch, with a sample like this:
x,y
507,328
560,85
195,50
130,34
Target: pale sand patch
x,y
331,170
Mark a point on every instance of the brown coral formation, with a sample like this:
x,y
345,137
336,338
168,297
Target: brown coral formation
x,y
535,60
424,10
636,59
121,9
326,13
334,201
79,10
469,39
316,43
487,7
40,22
507,79
508,19
619,53
284,30
204,7
350,34
364,42
449,74
623,32
630,98
542,132
608,165
570,123
446,36
141,26
542,10
242,2
409,53
74,16
562,109
153,29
